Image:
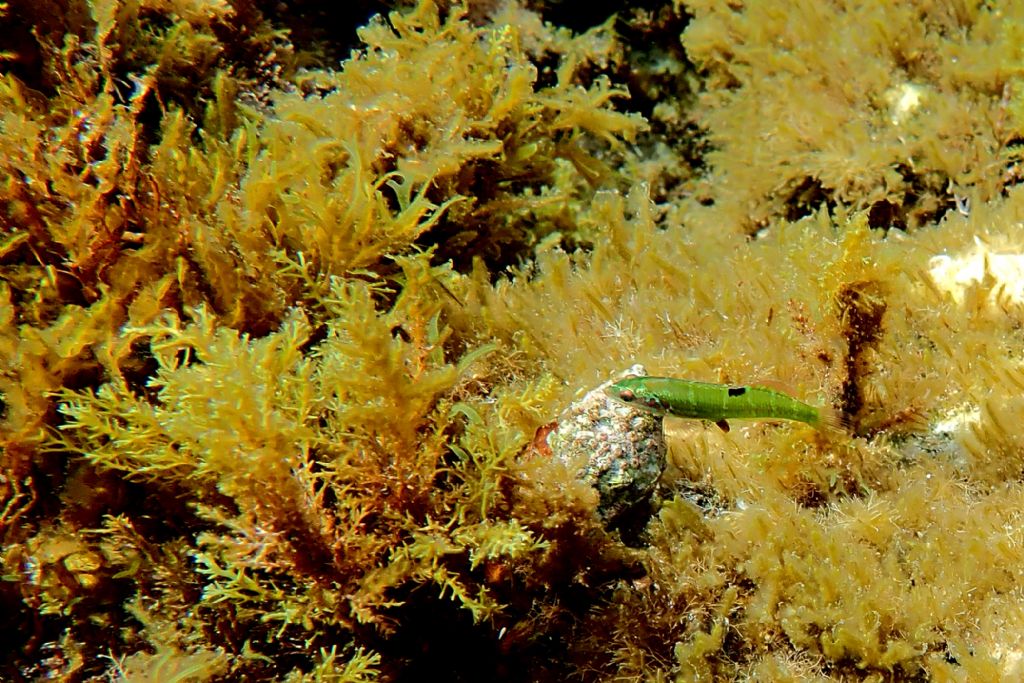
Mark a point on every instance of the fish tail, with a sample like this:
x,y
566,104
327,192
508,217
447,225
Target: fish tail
x,y
832,420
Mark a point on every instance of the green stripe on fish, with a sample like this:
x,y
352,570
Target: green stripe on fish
x,y
715,402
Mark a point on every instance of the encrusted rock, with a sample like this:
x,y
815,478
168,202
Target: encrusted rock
x,y
623,448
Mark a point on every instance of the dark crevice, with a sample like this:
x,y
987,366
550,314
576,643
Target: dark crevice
x,y
862,309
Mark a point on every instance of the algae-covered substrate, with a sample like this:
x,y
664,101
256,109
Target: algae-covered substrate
x,y
307,313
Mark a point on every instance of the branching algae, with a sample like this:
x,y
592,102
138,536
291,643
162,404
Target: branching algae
x,y
282,341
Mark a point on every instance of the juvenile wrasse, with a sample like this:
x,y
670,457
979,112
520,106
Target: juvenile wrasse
x,y
716,403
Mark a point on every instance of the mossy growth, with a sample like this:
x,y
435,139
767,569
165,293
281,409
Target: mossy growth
x,y
277,353
777,554
918,106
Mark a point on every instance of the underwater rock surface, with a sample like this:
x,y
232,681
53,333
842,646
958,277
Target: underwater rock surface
x,y
622,448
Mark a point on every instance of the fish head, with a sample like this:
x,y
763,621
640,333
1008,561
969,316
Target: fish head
x,y
634,392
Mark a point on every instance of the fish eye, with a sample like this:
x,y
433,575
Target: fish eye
x,y
627,395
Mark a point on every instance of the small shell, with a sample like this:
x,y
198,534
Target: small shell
x,y
623,448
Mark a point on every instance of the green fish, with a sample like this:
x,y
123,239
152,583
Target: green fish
x,y
716,403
